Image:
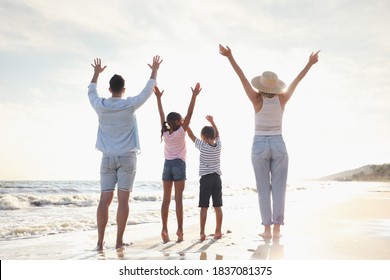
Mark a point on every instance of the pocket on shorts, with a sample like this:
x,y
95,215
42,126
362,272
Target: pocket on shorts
x,y
104,165
128,163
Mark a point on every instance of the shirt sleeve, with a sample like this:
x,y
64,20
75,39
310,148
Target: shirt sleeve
x,y
144,95
93,95
198,143
218,141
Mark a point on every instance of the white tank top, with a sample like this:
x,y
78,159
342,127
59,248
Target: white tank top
x,y
268,121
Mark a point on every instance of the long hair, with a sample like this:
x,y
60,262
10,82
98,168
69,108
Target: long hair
x,y
170,123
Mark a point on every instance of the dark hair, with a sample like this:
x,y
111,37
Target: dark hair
x,y
117,83
171,122
208,132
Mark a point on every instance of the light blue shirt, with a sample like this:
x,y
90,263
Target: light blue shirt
x,y
118,131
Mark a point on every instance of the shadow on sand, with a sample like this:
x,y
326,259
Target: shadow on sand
x,y
270,250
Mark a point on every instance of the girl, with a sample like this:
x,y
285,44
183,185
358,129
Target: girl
x,y
174,173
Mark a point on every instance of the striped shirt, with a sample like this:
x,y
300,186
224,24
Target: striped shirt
x,y
209,158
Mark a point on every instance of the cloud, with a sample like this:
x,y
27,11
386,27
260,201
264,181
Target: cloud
x,y
63,26
29,29
46,49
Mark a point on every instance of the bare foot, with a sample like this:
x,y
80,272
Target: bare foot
x,y
165,236
202,237
99,247
218,235
123,245
180,235
277,234
266,234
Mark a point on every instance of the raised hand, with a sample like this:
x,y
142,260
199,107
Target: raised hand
x,y
211,121
156,62
157,92
313,59
97,69
225,51
97,65
196,90
210,118
190,110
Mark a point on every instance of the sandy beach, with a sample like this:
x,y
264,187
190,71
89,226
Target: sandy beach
x,y
354,227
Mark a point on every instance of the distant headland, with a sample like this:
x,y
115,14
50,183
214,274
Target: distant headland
x,y
371,172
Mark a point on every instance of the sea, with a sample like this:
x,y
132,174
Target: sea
x,y
38,208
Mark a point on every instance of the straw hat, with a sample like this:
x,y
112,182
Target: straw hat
x,y
268,82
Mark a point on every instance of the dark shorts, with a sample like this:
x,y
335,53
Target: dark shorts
x,y
210,186
174,170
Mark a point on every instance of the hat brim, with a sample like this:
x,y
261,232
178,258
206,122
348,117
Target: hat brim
x,y
280,86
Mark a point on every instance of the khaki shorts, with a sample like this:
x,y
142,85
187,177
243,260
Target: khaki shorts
x,y
118,170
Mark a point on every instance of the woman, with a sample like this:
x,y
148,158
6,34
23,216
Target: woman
x,y
269,154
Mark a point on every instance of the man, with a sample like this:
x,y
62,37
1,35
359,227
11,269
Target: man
x,y
117,139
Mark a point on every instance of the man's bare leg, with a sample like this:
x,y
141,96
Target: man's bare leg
x,y
102,216
122,216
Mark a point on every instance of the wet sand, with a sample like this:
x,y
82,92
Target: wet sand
x,y
356,228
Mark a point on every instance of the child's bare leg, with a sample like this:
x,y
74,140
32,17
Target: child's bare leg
x,y
218,218
165,210
179,188
203,218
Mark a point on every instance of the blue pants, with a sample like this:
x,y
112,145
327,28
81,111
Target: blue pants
x,y
270,164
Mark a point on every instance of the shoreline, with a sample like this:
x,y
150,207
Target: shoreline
x,y
353,228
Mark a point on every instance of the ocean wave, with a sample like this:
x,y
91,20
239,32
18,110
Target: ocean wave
x,y
10,202
158,197
146,198
41,228
28,224
23,201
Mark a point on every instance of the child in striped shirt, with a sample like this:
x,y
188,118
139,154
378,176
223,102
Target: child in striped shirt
x,y
210,172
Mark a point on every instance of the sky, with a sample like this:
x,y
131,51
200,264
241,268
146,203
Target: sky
x,y
338,118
